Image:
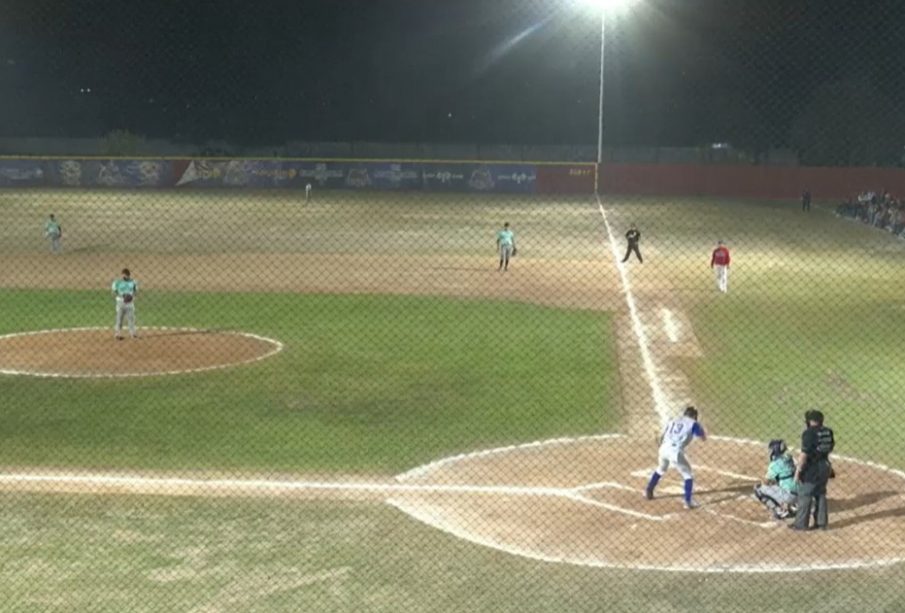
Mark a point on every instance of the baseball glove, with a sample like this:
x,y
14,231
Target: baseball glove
x,y
514,252
127,298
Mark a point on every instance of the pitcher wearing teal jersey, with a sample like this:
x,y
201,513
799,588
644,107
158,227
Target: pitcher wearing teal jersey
x,y
124,291
53,231
505,243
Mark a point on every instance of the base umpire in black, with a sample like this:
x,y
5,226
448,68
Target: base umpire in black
x,y
633,237
813,472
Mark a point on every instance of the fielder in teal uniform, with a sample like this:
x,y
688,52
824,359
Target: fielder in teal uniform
x,y
124,290
505,243
54,231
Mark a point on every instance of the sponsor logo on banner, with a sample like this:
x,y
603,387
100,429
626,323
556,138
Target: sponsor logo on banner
x,y
445,177
481,179
358,177
518,178
238,173
21,174
320,173
148,172
201,170
70,173
275,173
395,174
110,175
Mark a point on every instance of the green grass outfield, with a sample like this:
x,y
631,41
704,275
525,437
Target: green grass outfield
x,y
365,383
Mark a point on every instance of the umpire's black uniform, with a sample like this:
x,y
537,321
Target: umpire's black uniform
x,y
633,237
814,471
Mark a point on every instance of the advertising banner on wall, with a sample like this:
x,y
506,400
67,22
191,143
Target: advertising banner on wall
x,y
565,179
22,173
321,174
109,173
445,177
506,178
393,175
502,178
236,173
471,177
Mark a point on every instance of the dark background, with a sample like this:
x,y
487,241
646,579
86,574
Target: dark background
x,y
825,77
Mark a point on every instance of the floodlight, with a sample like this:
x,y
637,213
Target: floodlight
x,y
608,6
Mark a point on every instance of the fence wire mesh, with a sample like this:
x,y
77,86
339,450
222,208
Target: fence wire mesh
x,y
535,305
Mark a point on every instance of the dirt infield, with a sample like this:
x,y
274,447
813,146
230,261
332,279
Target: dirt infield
x,y
94,353
579,501
588,284
582,503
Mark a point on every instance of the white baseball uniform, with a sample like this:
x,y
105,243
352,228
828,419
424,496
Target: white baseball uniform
x,y
678,433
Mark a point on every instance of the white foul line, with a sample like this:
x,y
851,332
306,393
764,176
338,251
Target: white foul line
x,y
201,485
661,402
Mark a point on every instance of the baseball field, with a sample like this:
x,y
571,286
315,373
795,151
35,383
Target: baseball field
x,y
342,404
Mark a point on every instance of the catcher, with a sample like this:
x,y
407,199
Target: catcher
x,y
124,291
779,492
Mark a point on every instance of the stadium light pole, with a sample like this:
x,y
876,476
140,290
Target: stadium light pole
x,y
604,8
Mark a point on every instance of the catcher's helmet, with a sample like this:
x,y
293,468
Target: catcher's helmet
x,y
777,448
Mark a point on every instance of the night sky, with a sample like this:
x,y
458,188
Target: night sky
x,y
490,71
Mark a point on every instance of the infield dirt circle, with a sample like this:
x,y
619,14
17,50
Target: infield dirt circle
x,y
580,501
94,353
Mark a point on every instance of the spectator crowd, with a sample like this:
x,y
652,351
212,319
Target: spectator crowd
x,y
878,210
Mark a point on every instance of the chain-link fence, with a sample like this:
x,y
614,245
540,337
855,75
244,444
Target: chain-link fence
x,y
329,306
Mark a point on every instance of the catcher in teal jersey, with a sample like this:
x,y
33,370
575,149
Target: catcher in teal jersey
x,y
779,492
124,291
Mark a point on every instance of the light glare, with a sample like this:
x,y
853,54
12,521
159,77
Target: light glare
x,y
608,6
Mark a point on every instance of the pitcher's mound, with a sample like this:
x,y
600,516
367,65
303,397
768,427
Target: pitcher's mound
x,y
94,353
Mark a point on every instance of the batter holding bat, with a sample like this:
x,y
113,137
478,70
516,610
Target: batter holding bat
x,y
124,291
676,436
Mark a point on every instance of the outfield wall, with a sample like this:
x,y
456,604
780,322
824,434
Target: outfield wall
x,y
735,181
441,176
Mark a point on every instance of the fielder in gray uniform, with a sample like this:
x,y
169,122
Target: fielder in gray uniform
x,y
124,290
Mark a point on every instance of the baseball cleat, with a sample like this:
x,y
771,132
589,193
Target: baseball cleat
x,y
648,493
691,504
119,338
